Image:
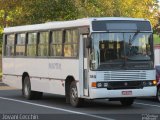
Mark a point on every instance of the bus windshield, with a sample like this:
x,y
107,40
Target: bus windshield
x,y
121,50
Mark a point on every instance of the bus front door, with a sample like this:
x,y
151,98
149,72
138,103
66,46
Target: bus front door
x,y
83,65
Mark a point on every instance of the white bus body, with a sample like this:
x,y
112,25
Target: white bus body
x,y
50,74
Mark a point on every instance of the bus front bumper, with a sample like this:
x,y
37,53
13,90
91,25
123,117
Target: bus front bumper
x,y
122,93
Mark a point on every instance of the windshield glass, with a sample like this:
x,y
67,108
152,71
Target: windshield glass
x,y
137,46
115,50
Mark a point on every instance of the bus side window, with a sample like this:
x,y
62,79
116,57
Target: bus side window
x,y
71,43
9,48
31,45
20,45
56,44
43,44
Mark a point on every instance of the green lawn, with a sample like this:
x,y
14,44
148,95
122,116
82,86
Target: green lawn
x,y
156,39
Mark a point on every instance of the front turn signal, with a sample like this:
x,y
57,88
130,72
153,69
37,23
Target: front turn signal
x,y
94,84
154,82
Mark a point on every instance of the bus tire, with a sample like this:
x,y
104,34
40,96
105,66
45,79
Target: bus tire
x,y
74,100
27,92
158,93
127,101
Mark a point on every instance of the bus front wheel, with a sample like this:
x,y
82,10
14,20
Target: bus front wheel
x,y
127,101
27,92
74,100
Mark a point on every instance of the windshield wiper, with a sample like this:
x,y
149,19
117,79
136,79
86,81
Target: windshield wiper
x,y
134,37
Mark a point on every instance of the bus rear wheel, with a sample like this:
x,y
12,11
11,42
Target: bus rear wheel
x,y
27,92
127,101
74,100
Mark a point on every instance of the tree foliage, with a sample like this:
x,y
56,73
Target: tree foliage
x,y
21,12
9,10
119,8
38,11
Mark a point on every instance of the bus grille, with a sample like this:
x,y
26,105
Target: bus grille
x,y
125,85
128,75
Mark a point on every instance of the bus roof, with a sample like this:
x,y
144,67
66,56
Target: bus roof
x,y
64,24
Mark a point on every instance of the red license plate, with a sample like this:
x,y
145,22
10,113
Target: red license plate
x,y
126,92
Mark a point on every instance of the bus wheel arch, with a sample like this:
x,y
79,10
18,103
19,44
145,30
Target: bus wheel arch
x,y
27,92
71,92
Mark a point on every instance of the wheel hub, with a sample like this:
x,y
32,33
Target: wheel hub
x,y
26,90
74,94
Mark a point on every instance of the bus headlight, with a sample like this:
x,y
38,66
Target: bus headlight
x,y
105,85
99,85
102,84
144,83
149,83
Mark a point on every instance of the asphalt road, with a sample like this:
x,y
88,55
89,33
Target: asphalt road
x,y
53,107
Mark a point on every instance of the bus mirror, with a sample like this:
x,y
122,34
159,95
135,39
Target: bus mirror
x,y
88,42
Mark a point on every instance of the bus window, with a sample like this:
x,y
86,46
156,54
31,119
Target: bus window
x,y
31,45
43,44
56,44
71,43
20,46
9,49
75,43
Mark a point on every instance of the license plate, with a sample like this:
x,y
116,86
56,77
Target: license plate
x,y
126,92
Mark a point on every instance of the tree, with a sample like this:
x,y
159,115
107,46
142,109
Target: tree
x,y
8,11
39,11
21,12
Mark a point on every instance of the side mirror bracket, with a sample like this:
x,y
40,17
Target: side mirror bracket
x,y
88,42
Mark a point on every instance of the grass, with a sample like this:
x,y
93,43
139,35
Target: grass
x,y
156,39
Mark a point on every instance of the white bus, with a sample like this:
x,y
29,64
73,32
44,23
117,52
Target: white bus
x,y
91,58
